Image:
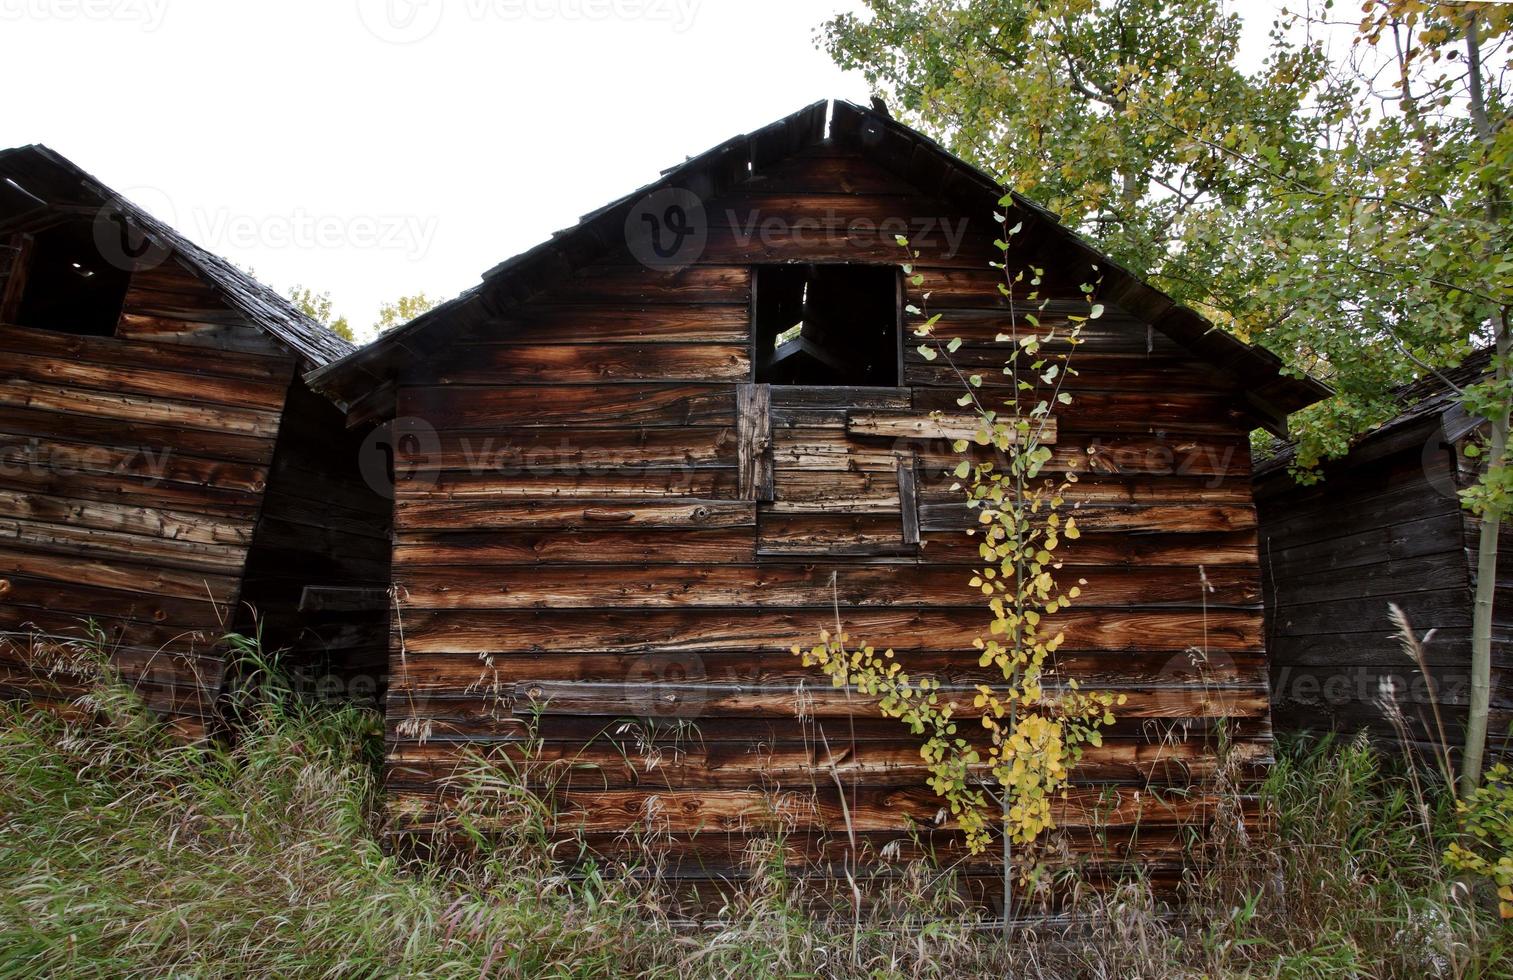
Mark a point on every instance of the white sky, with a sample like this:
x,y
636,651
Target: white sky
x,y
373,148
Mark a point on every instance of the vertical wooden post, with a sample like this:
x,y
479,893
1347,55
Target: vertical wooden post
x,y
908,499
17,259
754,441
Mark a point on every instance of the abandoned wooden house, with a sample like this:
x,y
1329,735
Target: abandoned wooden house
x,y
640,461
1384,525
163,468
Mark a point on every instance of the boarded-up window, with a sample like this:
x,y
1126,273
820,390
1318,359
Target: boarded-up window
x,y
823,490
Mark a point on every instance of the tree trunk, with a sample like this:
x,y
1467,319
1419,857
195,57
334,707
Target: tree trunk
x,y
1008,872
1486,595
1491,518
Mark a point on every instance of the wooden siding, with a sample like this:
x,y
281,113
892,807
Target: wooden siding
x,y
139,476
136,471
1384,526
317,574
585,541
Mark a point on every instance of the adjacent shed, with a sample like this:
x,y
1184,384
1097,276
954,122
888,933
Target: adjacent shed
x,y
1384,525
165,469
638,462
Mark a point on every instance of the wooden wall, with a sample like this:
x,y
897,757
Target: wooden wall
x,y
136,468
155,561
602,570
317,573
1384,526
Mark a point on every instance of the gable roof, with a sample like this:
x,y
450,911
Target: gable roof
x,y
44,183
897,148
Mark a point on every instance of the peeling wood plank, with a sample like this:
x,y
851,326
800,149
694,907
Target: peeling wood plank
x,y
921,425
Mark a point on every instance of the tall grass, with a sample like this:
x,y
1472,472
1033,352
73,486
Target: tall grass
x,y
123,853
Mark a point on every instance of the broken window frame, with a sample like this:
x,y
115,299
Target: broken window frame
x,y
30,251
765,329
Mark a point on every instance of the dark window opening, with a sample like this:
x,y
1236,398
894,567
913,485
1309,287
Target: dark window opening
x,y
68,286
827,325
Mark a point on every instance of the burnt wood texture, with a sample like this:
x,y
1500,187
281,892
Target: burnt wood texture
x,y
162,478
606,530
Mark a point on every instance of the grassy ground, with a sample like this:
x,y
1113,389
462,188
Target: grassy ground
x,y
123,854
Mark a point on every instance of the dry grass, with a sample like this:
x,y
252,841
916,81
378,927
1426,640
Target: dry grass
x,y
124,854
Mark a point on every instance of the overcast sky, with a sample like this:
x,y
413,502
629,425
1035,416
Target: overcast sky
x,y
373,148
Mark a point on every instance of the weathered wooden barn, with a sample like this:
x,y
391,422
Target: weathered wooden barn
x,y
628,481
1384,525
163,468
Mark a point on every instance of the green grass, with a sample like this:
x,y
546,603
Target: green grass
x,y
123,854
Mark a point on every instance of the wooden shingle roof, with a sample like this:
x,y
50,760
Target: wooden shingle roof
x,y
38,184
